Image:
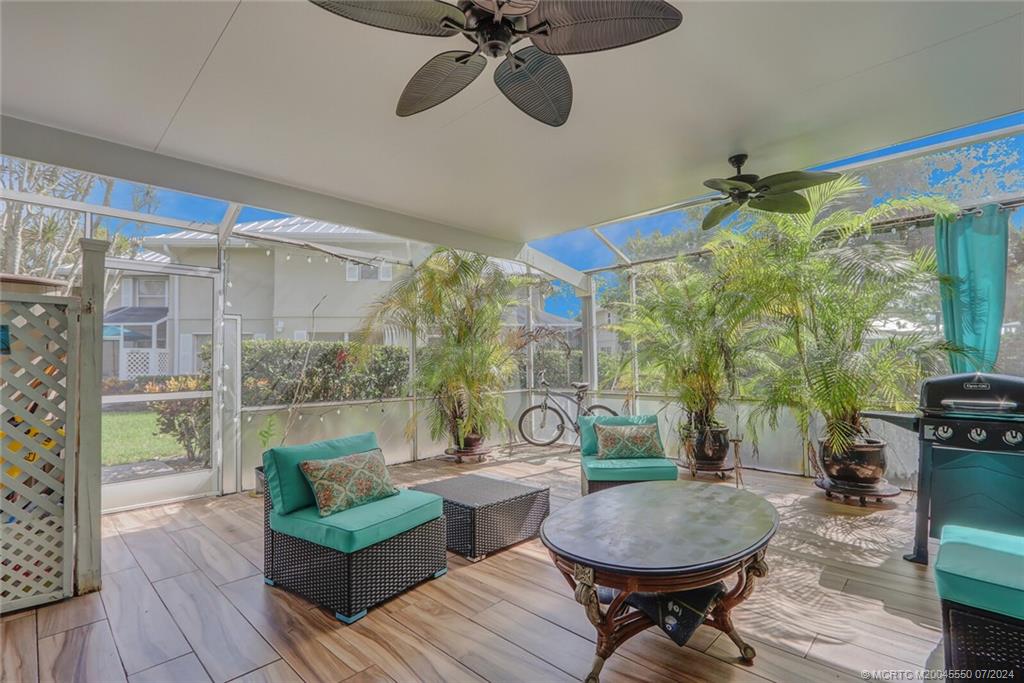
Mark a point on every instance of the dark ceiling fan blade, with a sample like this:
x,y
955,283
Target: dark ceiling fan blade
x,y
728,185
787,202
538,84
507,8
719,213
424,18
792,181
569,27
442,77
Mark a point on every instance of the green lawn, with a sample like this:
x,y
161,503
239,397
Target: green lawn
x,y
133,437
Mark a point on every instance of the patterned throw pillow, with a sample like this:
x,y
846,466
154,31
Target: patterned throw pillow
x,y
628,441
348,481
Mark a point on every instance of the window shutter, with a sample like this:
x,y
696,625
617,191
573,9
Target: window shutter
x,y
351,271
126,291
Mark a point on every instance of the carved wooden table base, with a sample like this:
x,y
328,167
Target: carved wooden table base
x,y
617,622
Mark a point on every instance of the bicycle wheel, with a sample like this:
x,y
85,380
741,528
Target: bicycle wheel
x,y
541,425
598,410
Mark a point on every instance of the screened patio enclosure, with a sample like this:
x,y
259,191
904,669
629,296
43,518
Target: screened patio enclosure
x,y
213,321
264,198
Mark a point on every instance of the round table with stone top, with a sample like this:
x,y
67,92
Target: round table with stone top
x,y
659,537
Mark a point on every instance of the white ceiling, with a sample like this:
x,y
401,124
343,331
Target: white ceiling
x,y
286,92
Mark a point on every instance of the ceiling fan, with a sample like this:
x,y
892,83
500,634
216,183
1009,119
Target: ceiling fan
x,y
776,193
533,78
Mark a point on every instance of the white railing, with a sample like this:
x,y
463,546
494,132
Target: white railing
x,y
136,362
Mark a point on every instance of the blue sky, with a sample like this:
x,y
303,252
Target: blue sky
x,y
178,205
578,248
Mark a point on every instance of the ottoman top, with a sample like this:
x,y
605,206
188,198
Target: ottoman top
x,y
474,490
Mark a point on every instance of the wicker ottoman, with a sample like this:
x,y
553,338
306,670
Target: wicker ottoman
x,y
485,514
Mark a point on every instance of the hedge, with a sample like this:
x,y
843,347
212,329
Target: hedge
x,y
271,372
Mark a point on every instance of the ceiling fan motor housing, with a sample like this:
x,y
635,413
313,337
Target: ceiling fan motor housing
x,y
494,37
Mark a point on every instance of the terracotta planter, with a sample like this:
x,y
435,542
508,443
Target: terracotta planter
x,y
862,464
711,446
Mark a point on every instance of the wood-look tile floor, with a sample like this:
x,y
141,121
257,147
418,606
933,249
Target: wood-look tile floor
x,y
183,600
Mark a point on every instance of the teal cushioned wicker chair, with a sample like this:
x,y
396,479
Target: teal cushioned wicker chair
x,y
597,474
353,559
979,576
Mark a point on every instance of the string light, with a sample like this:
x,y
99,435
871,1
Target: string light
x,y
248,418
230,285
309,259
288,257
268,252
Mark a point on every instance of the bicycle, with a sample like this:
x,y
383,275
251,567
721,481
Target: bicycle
x,y
544,423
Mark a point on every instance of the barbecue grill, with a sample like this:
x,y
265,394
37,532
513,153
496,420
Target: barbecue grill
x,y
970,470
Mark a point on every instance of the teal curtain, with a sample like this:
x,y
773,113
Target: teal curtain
x,y
972,253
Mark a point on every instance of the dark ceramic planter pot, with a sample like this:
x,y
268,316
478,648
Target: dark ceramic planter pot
x,y
471,444
711,446
862,464
472,447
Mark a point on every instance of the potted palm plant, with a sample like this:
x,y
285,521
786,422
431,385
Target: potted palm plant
x,y
456,303
689,339
820,291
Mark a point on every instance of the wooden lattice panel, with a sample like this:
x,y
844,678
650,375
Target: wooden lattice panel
x,y
39,391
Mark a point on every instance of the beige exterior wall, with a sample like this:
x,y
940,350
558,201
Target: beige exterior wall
x,y
299,284
274,294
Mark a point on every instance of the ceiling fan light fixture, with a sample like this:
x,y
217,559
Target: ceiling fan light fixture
x,y
777,193
533,78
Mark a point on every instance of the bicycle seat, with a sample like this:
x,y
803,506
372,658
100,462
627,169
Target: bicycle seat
x,y
580,386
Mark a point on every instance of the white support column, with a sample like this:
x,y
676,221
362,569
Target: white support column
x,y
531,293
412,395
589,315
634,362
90,412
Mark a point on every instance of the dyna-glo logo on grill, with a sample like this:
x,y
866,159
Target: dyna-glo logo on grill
x,y
977,386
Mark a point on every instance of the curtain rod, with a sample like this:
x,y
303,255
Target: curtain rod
x,y
905,223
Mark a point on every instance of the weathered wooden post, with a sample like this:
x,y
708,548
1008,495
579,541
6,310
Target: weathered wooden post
x,y
90,411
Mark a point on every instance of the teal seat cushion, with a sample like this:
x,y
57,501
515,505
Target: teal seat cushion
x,y
629,469
588,437
981,569
288,487
364,525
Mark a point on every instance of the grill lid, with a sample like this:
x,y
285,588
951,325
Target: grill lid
x,y
975,394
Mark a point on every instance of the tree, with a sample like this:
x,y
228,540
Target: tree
x,y
458,301
819,296
43,242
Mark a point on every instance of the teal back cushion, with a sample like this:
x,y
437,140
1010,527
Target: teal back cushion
x,y
289,490
588,437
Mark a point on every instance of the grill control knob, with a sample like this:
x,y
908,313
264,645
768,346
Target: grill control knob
x,y
943,432
977,435
1012,437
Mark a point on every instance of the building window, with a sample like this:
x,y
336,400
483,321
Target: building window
x,y
376,270
199,341
151,292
